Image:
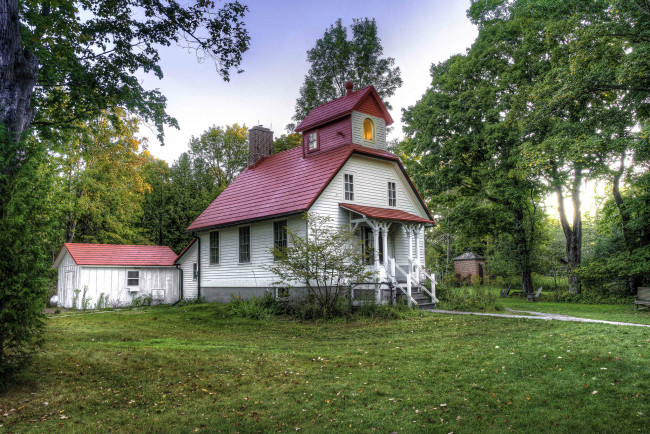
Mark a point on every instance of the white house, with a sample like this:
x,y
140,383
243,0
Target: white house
x,y
115,274
342,170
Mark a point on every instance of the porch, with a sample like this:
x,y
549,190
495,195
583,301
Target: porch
x,y
393,241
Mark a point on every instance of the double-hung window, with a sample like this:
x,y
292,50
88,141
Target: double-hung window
x,y
313,141
195,271
244,244
392,194
349,186
279,236
214,247
133,278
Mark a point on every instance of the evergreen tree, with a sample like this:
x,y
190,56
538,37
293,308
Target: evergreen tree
x,y
336,59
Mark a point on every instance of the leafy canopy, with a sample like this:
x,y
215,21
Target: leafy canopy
x,y
89,53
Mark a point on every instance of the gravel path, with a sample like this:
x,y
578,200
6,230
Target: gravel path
x,y
538,315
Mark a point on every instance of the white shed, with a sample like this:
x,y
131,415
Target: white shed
x,y
115,275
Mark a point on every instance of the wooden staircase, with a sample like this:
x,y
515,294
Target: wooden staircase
x,y
419,298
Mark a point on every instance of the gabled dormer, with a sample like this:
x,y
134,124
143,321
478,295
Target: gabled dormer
x,y
359,117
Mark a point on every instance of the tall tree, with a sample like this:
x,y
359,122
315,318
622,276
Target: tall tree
x,y
465,153
82,56
336,59
224,150
101,189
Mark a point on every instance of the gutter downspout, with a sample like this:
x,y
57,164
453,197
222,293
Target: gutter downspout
x,y
198,265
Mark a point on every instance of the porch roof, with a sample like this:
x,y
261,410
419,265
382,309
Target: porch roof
x,y
386,214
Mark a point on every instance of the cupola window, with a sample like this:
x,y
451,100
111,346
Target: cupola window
x,y
313,141
368,130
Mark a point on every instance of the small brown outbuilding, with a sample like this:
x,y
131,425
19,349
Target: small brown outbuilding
x,y
469,268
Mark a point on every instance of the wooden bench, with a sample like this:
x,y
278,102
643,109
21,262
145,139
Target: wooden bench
x,y
642,297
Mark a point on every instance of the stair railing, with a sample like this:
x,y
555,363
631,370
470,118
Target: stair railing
x,y
409,283
419,271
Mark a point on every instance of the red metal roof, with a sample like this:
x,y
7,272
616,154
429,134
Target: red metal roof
x,y
116,254
282,184
341,107
385,213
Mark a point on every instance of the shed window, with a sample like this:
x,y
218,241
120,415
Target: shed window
x,y
313,141
368,130
349,186
214,247
133,278
195,271
279,236
244,244
392,194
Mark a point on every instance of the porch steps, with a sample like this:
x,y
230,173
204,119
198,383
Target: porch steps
x,y
422,299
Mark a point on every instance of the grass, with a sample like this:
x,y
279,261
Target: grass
x,y
195,368
608,312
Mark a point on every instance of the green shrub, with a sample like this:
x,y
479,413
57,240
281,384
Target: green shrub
x,y
370,309
466,298
254,307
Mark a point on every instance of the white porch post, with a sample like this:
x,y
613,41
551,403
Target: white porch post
x,y
375,246
384,241
417,246
409,283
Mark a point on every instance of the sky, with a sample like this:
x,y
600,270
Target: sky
x,y
416,33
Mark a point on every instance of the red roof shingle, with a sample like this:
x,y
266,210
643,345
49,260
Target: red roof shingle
x,y
341,107
385,213
282,184
125,255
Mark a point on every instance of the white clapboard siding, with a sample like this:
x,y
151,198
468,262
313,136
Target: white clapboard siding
x,y
190,285
68,277
371,177
229,272
111,282
357,131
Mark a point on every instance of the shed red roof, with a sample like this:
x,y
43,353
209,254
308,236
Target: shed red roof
x,y
341,107
282,184
385,213
116,254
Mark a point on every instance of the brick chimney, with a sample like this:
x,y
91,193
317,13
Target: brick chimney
x,y
260,143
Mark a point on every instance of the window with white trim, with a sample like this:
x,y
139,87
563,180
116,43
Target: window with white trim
x,y
392,194
244,244
279,236
214,247
349,186
133,278
313,140
195,271
368,130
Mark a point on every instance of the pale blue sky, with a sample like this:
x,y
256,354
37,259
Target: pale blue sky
x,y
415,33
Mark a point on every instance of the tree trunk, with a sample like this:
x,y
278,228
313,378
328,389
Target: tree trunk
x,y
524,253
18,72
572,233
632,282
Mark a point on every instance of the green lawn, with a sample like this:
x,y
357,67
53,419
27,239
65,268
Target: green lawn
x,y
608,312
187,368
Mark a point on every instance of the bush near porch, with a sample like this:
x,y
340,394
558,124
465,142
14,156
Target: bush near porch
x,y
198,368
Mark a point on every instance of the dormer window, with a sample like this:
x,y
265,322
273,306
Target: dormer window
x,y
368,130
313,141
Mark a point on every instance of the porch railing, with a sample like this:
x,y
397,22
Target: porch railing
x,y
419,271
391,273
